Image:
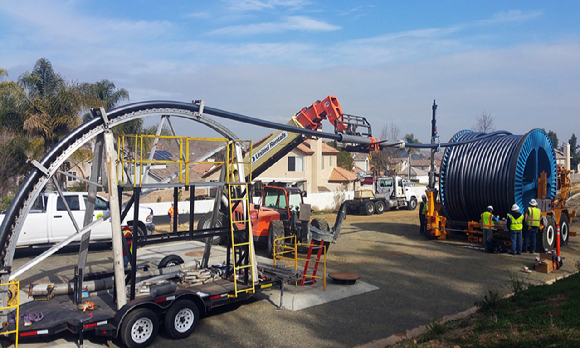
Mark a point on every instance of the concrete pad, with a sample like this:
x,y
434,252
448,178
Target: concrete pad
x,y
296,298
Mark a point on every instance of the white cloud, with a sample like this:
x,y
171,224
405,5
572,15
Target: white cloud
x,y
257,5
291,23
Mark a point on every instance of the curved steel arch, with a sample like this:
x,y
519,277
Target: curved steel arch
x,y
55,157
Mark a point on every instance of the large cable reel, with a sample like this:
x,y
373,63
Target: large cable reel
x,y
500,170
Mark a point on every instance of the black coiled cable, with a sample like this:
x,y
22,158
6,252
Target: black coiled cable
x,y
478,174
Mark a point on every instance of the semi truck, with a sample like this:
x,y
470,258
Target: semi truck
x,y
382,193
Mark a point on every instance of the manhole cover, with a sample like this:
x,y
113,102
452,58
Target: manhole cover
x,y
344,277
194,253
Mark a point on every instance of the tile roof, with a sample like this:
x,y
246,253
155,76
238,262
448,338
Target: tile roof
x,y
305,148
202,168
342,175
326,149
360,156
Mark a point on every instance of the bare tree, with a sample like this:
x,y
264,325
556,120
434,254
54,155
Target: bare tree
x,y
484,123
391,132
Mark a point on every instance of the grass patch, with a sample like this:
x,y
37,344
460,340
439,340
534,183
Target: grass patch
x,y
535,316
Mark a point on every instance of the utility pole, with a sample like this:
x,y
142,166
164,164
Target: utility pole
x,y
434,139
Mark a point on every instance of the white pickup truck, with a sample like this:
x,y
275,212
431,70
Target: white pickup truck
x,y
48,221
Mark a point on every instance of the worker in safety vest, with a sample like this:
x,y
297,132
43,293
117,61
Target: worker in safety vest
x,y
127,233
532,218
515,224
487,219
171,213
423,214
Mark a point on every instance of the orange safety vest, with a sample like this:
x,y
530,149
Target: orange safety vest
x,y
170,211
487,220
534,216
127,233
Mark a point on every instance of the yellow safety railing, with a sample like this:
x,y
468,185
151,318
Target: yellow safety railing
x,y
135,149
282,248
13,302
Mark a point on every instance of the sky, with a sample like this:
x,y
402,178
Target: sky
x,y
518,61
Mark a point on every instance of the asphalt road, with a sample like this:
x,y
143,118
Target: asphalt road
x,y
418,279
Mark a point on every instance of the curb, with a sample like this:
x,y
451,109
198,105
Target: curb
x,y
419,330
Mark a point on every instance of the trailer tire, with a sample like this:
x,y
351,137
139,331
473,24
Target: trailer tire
x,y
547,239
412,204
170,260
205,223
275,231
368,208
564,229
321,224
379,207
139,328
181,319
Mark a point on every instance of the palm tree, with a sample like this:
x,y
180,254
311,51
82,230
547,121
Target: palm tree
x,y
410,139
52,105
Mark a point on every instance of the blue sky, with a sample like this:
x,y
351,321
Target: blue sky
x,y
385,60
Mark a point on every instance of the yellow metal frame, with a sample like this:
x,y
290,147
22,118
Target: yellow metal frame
x,y
292,248
244,220
16,305
138,162
238,184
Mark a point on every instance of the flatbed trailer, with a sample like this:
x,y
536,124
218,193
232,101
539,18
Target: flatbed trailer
x,y
179,309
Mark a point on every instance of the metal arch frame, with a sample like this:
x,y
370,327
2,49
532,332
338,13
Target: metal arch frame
x,y
36,180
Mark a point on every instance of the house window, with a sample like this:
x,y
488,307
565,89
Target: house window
x,y
330,159
322,161
296,164
70,178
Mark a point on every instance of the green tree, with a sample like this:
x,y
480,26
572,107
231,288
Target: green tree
x,y
554,138
410,138
574,153
344,158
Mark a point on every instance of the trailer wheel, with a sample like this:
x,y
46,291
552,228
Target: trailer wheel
x,y
321,224
170,260
181,319
369,208
275,231
205,223
564,229
547,238
379,207
139,328
412,204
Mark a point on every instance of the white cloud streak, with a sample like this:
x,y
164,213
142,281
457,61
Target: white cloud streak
x,y
291,23
256,5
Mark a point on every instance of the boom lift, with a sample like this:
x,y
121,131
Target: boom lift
x,y
290,214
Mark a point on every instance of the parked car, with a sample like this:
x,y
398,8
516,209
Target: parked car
x,y
48,221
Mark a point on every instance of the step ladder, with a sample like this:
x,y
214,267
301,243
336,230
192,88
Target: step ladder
x,y
308,279
238,194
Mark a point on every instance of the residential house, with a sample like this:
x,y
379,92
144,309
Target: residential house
x,y
361,161
311,166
